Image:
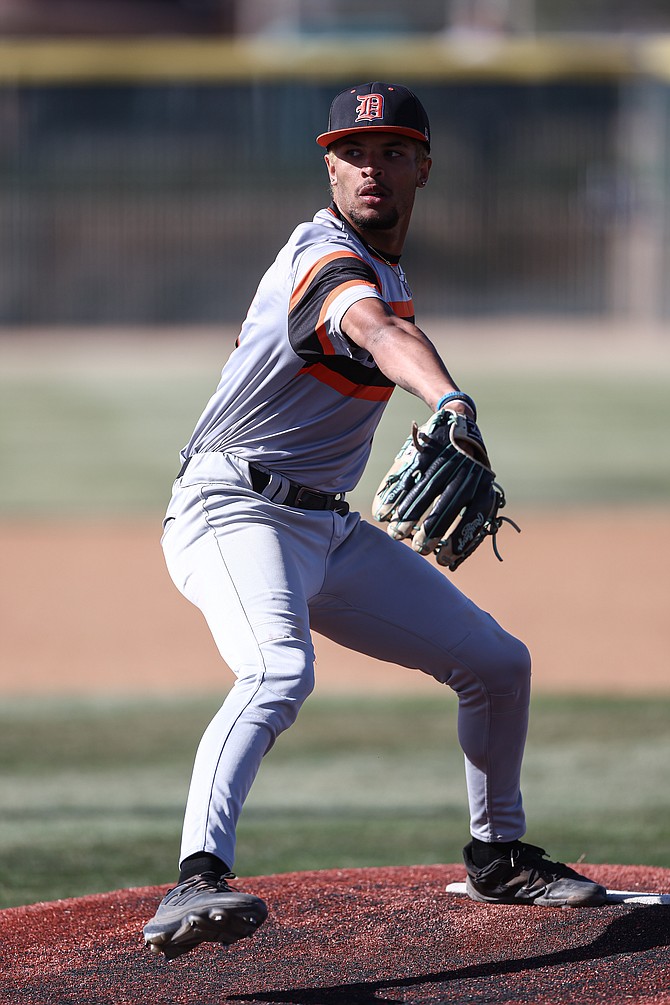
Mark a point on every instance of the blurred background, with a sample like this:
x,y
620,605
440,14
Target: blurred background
x,y
154,156
134,134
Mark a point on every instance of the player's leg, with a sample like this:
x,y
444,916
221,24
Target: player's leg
x,y
230,555
381,598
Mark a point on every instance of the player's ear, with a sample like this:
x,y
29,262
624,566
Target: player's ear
x,y
423,171
330,167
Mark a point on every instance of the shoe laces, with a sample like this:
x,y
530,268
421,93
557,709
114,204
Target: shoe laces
x,y
218,881
205,881
222,881
532,859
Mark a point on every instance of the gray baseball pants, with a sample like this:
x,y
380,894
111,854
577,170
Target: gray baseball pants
x,y
264,575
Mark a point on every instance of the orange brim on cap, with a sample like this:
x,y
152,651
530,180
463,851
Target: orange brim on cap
x,y
325,139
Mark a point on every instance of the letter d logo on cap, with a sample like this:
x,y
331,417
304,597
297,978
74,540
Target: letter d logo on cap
x,y
371,107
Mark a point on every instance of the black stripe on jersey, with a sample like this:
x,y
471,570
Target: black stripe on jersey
x,y
353,370
303,319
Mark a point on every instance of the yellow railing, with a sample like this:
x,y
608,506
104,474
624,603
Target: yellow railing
x,y
142,60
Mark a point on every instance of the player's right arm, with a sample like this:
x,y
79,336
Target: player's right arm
x,y
401,350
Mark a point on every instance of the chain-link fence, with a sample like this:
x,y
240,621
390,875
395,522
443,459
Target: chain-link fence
x,y
131,201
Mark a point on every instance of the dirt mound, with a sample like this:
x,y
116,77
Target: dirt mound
x,y
350,937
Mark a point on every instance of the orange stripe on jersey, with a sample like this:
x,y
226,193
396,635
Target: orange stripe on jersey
x,y
402,308
324,341
344,386
303,285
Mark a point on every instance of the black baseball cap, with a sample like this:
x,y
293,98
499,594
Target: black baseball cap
x,y
390,107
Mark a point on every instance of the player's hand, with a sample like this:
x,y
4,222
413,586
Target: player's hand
x,y
441,490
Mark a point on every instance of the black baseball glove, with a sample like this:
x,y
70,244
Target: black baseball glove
x,y
441,491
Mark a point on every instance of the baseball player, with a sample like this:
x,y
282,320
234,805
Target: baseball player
x,y
259,536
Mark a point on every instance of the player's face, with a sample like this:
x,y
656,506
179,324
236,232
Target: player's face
x,y
373,179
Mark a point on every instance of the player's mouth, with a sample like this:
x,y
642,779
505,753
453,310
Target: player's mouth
x,y
373,195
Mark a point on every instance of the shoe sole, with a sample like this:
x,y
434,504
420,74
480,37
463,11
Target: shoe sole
x,y
177,932
594,896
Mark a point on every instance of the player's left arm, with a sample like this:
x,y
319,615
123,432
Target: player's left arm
x,y
401,350
440,490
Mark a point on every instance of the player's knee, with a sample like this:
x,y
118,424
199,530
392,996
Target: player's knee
x,y
500,667
506,677
288,679
291,689
515,667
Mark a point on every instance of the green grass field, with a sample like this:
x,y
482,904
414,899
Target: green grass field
x,y
101,434
93,792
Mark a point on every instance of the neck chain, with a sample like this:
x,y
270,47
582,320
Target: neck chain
x,y
374,251
393,265
377,252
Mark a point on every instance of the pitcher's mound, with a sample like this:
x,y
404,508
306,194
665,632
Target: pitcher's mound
x,y
351,937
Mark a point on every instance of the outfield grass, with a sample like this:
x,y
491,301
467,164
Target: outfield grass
x,y
93,791
103,437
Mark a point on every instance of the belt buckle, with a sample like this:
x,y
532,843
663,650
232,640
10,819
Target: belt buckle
x,y
305,493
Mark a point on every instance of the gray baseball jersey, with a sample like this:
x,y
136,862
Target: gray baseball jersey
x,y
296,394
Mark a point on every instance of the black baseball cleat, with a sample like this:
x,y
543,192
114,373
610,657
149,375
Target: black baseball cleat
x,y
525,876
202,909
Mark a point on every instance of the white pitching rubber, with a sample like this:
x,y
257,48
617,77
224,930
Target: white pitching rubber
x,y
613,896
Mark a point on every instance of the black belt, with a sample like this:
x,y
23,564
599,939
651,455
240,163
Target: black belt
x,y
298,496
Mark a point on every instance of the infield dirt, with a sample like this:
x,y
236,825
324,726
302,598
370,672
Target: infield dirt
x,y
88,607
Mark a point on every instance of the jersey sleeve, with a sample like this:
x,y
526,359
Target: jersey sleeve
x,y
322,294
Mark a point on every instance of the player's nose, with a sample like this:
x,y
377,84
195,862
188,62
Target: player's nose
x,y
372,168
